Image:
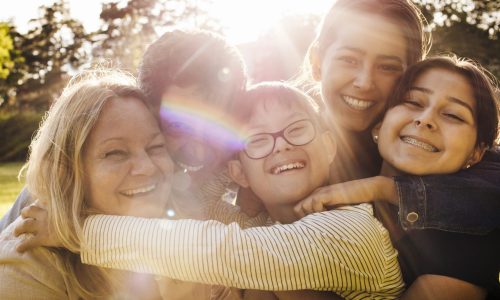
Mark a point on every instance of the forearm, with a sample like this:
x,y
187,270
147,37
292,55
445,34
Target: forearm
x,y
303,255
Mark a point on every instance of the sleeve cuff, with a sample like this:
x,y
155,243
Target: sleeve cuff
x,y
412,201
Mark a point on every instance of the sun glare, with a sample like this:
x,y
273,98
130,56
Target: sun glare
x,y
245,20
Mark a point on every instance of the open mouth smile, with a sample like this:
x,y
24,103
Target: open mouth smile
x,y
356,103
188,167
417,143
139,191
287,167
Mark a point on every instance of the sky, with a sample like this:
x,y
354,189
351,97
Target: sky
x,y
244,19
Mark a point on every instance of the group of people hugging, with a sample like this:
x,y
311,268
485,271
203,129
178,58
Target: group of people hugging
x,y
375,174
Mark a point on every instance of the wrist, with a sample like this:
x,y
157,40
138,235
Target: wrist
x,y
386,190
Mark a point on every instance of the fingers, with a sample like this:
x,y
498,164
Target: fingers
x,y
33,211
26,226
310,205
28,244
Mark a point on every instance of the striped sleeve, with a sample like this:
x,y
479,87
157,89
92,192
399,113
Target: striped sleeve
x,y
346,251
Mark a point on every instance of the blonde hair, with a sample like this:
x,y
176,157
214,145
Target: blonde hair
x,y
54,171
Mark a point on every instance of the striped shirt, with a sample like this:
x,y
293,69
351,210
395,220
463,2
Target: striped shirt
x,y
346,251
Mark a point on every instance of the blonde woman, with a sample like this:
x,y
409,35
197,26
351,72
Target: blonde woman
x,y
99,149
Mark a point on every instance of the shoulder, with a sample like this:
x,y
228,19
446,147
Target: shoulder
x,y
33,274
356,222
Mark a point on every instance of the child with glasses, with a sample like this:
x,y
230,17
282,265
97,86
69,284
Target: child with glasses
x,y
285,156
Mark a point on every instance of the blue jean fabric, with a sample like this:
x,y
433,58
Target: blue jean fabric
x,y
465,202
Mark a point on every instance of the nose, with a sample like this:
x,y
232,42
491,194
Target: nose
x,y
281,144
425,120
364,78
142,165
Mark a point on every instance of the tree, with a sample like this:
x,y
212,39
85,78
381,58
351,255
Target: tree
x,y
468,28
129,29
43,57
11,63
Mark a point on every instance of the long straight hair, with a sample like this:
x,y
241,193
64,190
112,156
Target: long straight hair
x,y
54,171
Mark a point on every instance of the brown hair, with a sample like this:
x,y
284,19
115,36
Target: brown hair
x,y
403,12
481,81
192,58
274,91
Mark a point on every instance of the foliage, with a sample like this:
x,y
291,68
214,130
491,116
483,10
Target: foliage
x,y
128,30
49,49
11,63
6,45
17,130
468,28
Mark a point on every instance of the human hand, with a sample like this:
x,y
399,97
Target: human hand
x,y
348,193
35,222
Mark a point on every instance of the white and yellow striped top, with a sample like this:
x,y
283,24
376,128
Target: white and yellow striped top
x,y
346,251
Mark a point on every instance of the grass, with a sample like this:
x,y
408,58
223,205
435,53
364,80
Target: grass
x,y
9,185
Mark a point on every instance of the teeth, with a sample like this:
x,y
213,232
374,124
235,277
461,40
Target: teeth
x,y
357,104
280,169
139,191
190,168
420,144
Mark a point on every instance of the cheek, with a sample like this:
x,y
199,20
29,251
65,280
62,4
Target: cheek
x,y
173,144
165,164
102,183
386,85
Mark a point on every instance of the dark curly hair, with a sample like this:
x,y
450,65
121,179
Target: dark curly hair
x,y
192,58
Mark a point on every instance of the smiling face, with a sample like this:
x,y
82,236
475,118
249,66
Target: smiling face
x,y
197,146
127,167
288,173
359,69
434,130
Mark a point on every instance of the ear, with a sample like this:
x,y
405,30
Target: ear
x,y
376,132
476,156
315,61
236,173
330,145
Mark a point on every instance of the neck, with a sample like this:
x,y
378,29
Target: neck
x,y
282,213
357,156
389,171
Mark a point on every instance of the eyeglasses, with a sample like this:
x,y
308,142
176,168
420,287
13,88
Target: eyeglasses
x,y
298,133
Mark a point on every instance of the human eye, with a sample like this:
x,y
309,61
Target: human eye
x,y
347,60
454,117
115,154
297,129
159,148
391,67
412,100
257,140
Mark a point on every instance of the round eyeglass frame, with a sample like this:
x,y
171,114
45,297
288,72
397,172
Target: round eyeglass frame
x,y
281,134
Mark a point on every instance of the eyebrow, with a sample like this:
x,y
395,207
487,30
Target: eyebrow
x,y
452,99
122,138
357,50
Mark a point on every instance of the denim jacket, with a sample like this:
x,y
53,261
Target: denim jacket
x,y
465,202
